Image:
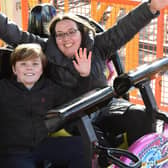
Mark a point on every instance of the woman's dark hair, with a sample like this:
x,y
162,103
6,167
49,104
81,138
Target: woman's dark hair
x,y
39,18
83,24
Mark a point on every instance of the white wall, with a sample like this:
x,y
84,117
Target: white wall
x,y
12,8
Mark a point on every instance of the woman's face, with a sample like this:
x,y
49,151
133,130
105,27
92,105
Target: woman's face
x,y
68,37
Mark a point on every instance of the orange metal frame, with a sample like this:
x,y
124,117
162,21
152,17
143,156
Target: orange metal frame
x,y
24,4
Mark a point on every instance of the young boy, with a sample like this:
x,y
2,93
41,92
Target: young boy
x,y
24,101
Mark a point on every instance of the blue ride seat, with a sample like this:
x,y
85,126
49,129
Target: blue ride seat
x,y
5,68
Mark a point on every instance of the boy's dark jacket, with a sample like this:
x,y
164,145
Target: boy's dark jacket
x,y
103,45
23,111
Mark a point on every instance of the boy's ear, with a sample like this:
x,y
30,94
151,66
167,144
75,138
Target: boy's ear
x,y
13,69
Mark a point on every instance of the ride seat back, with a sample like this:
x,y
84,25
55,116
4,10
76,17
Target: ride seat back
x,y
5,68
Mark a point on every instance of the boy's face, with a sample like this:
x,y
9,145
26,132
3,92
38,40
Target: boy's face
x,y
29,71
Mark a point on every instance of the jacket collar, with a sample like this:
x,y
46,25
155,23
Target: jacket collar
x,y
39,84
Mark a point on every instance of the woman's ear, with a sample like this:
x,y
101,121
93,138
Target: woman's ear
x,y
13,69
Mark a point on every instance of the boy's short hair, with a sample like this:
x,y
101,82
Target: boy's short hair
x,y
28,51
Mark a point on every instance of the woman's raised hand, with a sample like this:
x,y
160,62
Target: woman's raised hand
x,y
83,62
157,5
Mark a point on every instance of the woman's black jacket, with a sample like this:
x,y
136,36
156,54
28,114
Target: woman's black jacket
x,y
60,68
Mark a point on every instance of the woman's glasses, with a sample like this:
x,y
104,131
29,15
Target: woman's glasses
x,y
70,33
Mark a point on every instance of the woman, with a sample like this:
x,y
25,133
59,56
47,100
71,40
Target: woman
x,y
68,33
